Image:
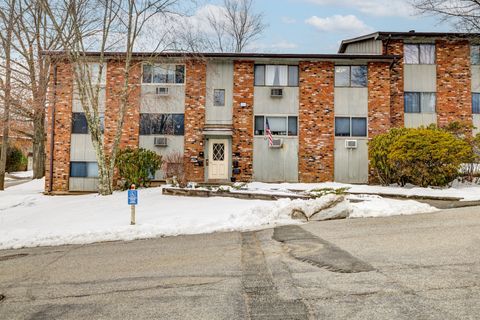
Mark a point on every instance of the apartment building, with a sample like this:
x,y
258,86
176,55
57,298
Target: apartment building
x,y
215,109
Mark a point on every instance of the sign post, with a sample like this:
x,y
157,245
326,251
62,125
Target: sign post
x,y
132,201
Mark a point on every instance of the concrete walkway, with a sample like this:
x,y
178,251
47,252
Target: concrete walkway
x,y
405,267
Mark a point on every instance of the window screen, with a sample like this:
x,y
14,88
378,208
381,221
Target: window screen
x,y
179,74
79,123
78,169
161,123
259,75
276,75
259,125
412,102
147,73
292,126
278,125
293,76
411,54
219,97
359,76
359,127
476,103
427,102
342,76
342,126
427,53
163,73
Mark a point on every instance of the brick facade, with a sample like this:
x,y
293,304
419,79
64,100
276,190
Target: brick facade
x,y
195,91
454,96
316,121
242,139
59,98
131,123
395,47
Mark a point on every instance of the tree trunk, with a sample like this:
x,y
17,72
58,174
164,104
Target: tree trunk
x,y
38,144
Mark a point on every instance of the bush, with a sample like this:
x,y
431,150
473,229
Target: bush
x,y
137,166
16,160
424,156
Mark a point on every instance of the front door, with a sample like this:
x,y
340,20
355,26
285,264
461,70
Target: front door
x,y
218,160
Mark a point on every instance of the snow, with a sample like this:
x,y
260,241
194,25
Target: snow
x,y
466,192
29,218
22,174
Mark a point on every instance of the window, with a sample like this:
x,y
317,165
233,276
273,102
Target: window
x,y
79,122
279,126
419,102
82,169
163,73
351,76
93,69
276,75
350,127
219,97
419,53
476,103
475,55
161,123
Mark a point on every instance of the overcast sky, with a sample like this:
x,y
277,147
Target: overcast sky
x,y
318,26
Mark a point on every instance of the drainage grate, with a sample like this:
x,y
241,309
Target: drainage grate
x,y
13,256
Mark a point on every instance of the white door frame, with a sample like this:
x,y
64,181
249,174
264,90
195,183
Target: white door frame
x,y
217,165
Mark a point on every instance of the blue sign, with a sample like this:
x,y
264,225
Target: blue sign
x,y
133,197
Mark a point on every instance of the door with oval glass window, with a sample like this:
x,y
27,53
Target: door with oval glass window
x,y
218,160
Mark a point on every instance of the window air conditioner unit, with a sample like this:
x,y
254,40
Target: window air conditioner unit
x,y
276,92
351,144
161,91
160,142
276,143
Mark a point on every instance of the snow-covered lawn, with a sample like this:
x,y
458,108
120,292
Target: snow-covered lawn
x,y
29,218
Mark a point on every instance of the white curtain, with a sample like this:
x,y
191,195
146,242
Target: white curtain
x,y
276,75
427,102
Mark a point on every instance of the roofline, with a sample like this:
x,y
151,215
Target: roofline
x,y
235,55
381,35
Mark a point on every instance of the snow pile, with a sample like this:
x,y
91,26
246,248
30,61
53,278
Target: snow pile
x,y
376,206
469,192
29,218
22,174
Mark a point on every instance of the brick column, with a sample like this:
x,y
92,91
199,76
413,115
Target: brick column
x,y
195,91
114,86
62,127
395,47
316,121
242,140
378,102
454,96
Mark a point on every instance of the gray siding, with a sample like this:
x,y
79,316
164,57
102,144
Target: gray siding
x,y
351,165
368,46
81,148
351,101
475,78
83,184
175,144
219,76
415,120
174,102
264,104
275,165
420,78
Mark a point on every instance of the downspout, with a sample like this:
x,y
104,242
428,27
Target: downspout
x,y
52,130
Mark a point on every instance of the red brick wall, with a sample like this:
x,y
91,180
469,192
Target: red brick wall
x,y
195,91
316,121
62,128
131,124
378,98
454,97
395,47
242,140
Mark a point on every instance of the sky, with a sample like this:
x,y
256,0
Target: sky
x,y
318,26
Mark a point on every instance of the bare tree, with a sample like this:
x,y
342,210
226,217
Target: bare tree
x,y
118,24
237,26
464,14
7,20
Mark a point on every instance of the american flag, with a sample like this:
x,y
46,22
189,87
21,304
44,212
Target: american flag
x,y
268,133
